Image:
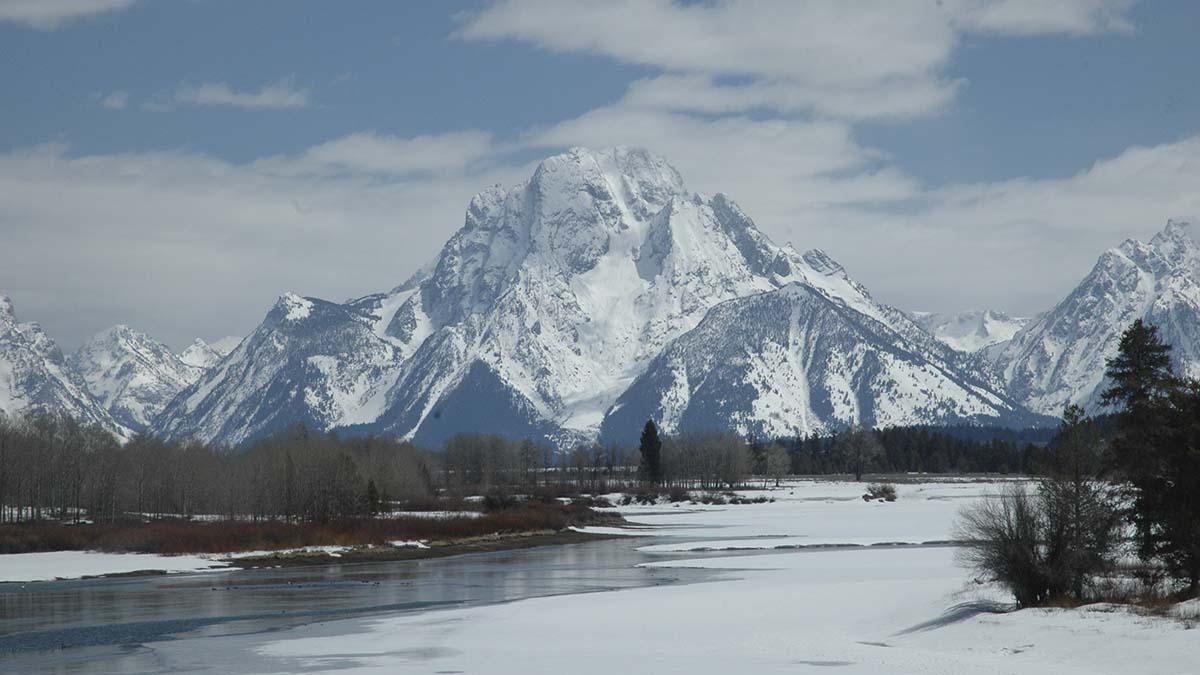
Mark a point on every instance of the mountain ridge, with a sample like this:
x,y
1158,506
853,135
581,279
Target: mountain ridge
x,y
600,292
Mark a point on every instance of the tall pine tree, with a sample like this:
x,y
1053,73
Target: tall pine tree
x,y
651,449
1157,449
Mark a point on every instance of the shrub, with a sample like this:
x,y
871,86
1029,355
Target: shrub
x,y
678,494
499,501
880,492
1044,547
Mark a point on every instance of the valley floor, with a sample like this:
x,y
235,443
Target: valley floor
x,y
875,590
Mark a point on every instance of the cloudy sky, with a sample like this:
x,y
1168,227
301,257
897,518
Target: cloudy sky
x,y
176,165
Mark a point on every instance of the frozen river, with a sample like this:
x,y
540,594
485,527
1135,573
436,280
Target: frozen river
x,y
186,622
816,580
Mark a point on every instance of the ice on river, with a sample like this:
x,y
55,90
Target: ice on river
x,y
76,564
868,609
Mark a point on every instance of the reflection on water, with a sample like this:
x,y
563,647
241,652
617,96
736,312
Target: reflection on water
x,y
105,625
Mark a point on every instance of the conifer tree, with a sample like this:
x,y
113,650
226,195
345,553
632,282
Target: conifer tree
x,y
651,449
1157,449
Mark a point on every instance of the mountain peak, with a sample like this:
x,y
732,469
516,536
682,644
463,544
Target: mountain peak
x,y
201,354
292,307
642,181
822,263
34,376
1177,232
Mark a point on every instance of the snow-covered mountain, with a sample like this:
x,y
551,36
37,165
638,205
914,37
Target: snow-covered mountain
x,y
310,362
800,360
205,355
972,330
131,375
35,377
1059,358
538,315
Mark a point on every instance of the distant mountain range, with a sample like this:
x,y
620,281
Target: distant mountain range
x,y
599,293
972,330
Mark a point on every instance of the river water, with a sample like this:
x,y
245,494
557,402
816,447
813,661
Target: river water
x,y
210,622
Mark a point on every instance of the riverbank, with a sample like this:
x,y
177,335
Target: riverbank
x,y
811,581
52,551
416,550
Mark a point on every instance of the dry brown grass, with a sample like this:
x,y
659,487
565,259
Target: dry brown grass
x,y
180,536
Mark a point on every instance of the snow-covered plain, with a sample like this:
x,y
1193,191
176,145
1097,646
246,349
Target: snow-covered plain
x,y
861,609
77,564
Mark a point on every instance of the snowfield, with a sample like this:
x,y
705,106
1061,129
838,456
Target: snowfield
x,y
857,609
77,564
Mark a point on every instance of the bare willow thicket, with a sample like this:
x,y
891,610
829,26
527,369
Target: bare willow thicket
x,y
52,467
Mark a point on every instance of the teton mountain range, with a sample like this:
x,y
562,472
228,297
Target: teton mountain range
x,y
599,293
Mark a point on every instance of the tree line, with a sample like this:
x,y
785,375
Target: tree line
x,y
57,466
54,467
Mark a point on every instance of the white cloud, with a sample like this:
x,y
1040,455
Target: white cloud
x,y
182,244
117,100
757,100
872,58
1018,244
372,153
893,98
51,14
277,95
1039,17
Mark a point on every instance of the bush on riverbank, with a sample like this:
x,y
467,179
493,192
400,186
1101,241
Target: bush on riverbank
x,y
182,536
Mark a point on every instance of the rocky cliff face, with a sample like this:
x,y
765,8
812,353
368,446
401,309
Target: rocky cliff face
x,y
131,375
538,315
1059,358
35,377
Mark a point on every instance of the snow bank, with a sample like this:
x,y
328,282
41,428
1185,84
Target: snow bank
x,y
77,564
866,610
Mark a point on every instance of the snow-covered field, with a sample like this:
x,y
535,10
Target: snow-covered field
x,y
862,609
77,564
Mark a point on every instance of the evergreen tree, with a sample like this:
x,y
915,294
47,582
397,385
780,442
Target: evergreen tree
x,y
1174,491
1141,371
374,501
651,449
1142,382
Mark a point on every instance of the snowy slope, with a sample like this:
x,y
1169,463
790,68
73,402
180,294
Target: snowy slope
x,y
35,378
310,362
1059,358
537,315
796,361
131,375
972,330
205,355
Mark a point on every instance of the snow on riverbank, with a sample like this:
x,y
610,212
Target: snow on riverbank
x,y
875,609
25,567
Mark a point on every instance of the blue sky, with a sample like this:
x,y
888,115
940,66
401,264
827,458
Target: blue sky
x,y
177,165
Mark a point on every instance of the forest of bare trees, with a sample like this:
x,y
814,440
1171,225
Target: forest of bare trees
x,y
53,467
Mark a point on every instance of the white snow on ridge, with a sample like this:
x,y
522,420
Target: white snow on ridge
x,y
36,378
1059,358
133,376
298,308
205,355
972,330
